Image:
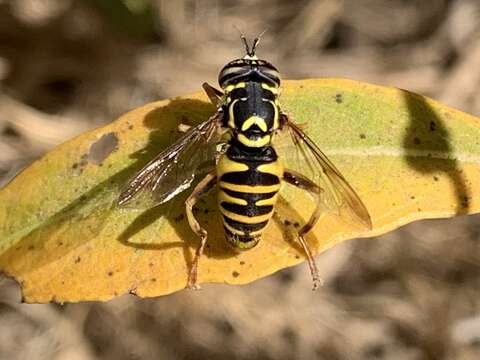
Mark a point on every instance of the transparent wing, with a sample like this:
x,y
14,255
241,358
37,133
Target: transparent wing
x,y
174,169
338,197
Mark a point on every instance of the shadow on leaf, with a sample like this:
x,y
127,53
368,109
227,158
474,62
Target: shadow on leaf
x,y
429,150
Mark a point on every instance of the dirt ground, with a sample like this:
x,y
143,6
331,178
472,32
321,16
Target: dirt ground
x,y
70,65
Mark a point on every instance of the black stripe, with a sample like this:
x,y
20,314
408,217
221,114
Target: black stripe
x,y
250,177
240,153
249,197
241,238
238,93
246,210
268,95
245,227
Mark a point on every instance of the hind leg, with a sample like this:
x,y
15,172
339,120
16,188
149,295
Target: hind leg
x,y
304,183
202,187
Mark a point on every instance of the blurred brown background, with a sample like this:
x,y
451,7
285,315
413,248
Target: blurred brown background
x,y
70,65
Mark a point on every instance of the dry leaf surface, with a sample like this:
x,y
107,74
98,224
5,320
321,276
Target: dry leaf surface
x,y
64,239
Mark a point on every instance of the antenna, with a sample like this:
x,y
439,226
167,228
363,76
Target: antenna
x,y
256,41
247,48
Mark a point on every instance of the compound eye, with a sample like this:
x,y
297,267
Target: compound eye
x,y
232,71
272,73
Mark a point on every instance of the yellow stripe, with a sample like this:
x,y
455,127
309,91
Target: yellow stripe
x,y
222,196
231,116
233,230
230,88
226,165
274,168
275,114
253,143
239,232
254,120
272,89
245,246
251,189
246,219
269,201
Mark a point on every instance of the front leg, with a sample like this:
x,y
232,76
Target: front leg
x,y
202,188
304,183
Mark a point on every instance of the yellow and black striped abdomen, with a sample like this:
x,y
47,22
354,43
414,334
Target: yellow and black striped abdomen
x,y
248,187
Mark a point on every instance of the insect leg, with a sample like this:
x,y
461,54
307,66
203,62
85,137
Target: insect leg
x,y
304,183
202,187
213,94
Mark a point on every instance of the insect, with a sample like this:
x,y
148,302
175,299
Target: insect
x,y
247,171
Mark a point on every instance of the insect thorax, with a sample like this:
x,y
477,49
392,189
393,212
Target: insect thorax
x,y
251,107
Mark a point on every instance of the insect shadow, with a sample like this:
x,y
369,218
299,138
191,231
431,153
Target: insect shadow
x,y
428,148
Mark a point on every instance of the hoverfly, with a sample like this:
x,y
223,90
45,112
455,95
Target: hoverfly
x,y
248,172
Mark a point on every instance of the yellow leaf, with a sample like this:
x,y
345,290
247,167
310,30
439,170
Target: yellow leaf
x,y
64,239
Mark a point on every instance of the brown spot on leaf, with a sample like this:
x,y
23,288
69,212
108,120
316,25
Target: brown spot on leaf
x,y
242,262
435,178
110,273
416,141
235,274
78,259
363,136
